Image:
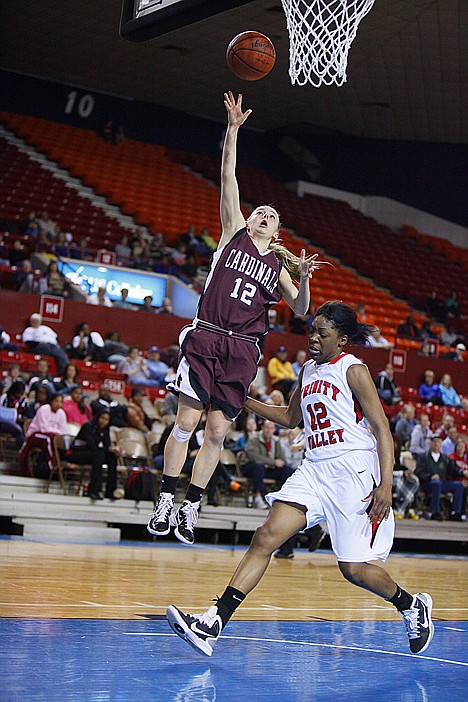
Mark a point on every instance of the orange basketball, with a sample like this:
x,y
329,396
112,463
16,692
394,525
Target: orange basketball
x,y
251,55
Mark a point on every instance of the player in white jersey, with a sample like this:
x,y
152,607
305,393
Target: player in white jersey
x,y
345,478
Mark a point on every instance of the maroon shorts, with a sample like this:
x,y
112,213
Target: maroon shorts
x,y
215,369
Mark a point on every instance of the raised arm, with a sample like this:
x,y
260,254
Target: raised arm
x,y
289,416
232,218
364,389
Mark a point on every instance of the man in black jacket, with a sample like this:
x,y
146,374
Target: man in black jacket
x,y
93,445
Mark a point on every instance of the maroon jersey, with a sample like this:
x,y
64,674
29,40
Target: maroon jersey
x,y
241,286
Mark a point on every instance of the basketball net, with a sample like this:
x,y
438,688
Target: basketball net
x,y
320,34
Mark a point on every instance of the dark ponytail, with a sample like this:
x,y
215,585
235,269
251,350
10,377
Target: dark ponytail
x,y
344,318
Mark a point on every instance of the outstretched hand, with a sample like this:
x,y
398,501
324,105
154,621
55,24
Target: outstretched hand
x,y
308,264
234,109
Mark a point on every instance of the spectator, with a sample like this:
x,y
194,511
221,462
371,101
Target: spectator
x,y
60,247
114,350
31,219
448,394
166,307
405,487
77,411
157,368
80,251
448,337
17,254
435,306
362,315
408,329
431,470
420,441
448,444
457,355
41,377
25,278
169,408
43,244
49,420
136,416
457,469
250,430
452,306
5,341
104,401
387,388
165,265
293,445
264,458
48,225
87,345
40,338
12,405
377,341
99,298
123,251
191,240
446,422
136,369
273,322
427,331
428,391
426,349
189,270
147,305
14,373
55,282
405,424
123,304
43,395
67,381
301,358
93,445
280,371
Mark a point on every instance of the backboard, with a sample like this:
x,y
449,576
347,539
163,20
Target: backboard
x,y
142,20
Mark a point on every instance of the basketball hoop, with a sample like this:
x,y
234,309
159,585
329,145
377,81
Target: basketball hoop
x,y
320,34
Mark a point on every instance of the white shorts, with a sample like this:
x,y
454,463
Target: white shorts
x,y
333,490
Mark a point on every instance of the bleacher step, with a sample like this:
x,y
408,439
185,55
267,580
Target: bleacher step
x,y
71,533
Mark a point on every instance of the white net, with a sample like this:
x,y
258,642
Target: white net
x,y
320,34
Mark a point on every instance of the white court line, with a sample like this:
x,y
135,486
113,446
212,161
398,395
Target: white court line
x,y
261,608
318,645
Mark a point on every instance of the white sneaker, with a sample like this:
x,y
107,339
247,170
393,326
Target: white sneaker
x,y
259,503
159,522
201,631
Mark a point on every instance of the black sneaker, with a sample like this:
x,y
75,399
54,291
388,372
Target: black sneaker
x,y
201,631
284,554
160,523
184,521
418,622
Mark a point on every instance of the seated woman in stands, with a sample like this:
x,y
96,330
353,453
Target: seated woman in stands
x,y
93,445
42,398
458,468
67,381
448,394
55,282
49,420
87,345
77,411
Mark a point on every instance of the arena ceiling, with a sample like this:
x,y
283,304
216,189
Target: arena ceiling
x,y
407,69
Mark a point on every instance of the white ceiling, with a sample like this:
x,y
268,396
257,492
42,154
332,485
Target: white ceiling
x,y
407,68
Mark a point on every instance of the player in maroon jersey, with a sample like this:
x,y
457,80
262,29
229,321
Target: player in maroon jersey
x,y
250,272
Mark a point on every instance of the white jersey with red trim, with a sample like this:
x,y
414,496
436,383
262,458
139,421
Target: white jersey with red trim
x,y
333,419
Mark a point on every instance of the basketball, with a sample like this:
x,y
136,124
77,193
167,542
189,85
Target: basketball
x,y
251,55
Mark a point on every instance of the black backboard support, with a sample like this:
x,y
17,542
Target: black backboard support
x,y
142,21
